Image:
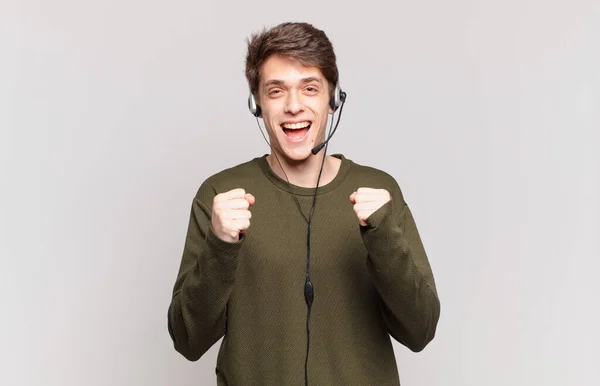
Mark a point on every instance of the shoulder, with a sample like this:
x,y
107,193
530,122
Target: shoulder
x,y
371,174
372,177
241,175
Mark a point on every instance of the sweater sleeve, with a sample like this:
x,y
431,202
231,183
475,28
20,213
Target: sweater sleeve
x,y
197,312
401,274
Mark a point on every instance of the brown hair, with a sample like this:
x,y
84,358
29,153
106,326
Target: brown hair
x,y
301,41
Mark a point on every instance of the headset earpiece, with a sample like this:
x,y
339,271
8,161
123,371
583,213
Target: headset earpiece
x,y
335,102
337,98
253,106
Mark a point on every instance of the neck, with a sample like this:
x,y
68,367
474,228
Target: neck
x,y
305,173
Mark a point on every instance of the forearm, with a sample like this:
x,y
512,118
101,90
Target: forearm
x,y
402,276
197,312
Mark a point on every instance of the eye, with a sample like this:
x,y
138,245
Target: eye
x,y
312,89
274,92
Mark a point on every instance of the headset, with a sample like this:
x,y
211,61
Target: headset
x,y
337,101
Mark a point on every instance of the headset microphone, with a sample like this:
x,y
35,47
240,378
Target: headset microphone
x,y
335,103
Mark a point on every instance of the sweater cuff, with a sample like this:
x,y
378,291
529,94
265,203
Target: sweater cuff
x,y
223,248
377,218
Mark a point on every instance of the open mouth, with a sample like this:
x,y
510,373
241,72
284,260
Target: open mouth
x,y
296,131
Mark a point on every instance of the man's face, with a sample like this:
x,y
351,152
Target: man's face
x,y
295,102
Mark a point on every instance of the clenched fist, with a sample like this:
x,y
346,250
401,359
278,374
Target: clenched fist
x,y
230,214
366,201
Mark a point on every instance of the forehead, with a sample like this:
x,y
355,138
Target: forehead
x,y
287,70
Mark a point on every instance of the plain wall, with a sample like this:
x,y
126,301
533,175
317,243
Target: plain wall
x,y
112,113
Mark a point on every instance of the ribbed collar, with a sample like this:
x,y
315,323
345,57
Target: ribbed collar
x,y
302,191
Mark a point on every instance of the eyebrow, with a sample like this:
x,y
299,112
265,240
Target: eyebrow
x,y
277,82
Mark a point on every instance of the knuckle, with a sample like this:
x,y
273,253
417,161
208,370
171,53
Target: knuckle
x,y
238,192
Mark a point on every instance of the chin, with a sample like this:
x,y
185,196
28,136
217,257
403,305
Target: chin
x,y
297,155
298,152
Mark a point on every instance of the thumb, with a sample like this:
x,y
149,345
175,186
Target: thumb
x,y
250,198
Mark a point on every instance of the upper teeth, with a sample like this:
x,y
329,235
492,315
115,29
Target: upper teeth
x,y
299,125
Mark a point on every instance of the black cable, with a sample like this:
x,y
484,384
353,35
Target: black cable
x,y
285,174
308,287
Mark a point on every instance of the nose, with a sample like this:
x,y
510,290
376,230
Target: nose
x,y
293,104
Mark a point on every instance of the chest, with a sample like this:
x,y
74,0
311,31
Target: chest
x,y
277,245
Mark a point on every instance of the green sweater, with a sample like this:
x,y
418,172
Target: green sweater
x,y
370,282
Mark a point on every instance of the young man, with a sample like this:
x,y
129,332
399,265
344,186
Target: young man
x,y
304,263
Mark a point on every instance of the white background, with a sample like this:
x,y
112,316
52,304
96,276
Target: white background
x,y
113,112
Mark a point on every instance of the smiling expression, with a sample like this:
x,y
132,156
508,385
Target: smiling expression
x,y
294,99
